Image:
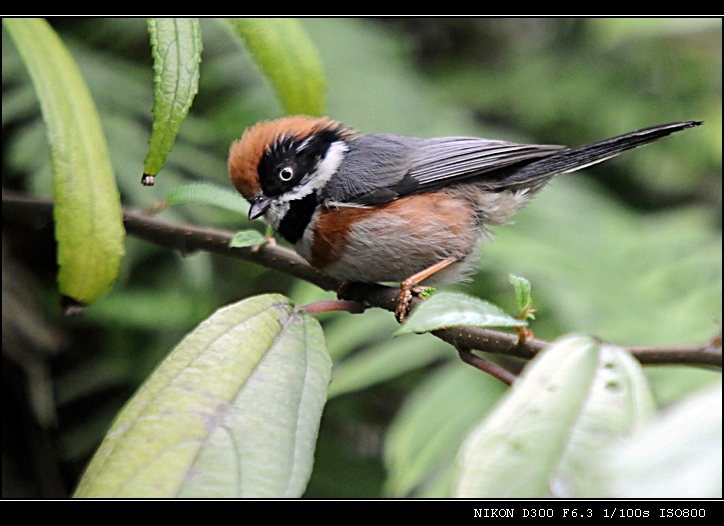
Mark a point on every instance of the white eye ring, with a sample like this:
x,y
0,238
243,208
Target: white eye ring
x,y
286,173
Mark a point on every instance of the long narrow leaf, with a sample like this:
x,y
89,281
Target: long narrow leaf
x,y
176,44
290,60
88,218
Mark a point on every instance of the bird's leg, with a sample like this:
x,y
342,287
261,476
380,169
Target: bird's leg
x,y
410,286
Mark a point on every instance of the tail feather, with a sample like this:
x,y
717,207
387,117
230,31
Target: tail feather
x,y
572,159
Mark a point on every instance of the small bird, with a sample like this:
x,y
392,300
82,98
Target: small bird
x,y
393,208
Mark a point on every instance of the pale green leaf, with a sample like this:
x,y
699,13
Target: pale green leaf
x,y
522,291
290,60
448,309
233,411
176,51
88,217
547,436
514,452
247,238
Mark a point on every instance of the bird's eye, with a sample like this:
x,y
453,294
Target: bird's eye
x,y
286,173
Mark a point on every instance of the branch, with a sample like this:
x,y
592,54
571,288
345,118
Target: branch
x,y
187,238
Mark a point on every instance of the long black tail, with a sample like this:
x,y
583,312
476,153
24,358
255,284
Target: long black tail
x,y
572,159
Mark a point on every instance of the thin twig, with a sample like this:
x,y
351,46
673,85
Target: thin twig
x,y
493,369
187,238
334,305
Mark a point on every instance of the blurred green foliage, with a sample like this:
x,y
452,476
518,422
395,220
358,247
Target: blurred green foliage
x,y
629,250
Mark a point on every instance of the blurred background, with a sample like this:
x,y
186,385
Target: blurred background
x,y
629,250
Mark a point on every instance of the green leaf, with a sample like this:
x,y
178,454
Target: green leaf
x,y
448,309
88,217
522,291
289,58
547,436
247,238
176,50
233,411
210,194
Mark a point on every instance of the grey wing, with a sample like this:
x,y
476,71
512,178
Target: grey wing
x,y
444,160
379,168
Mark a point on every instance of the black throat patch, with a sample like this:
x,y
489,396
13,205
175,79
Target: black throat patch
x,y
297,218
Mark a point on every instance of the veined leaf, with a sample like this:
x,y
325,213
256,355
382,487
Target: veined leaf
x,y
88,217
448,309
233,411
176,45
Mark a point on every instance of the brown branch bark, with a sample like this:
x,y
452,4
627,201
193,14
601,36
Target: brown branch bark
x,y
189,238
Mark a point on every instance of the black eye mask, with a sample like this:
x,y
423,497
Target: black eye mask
x,y
289,160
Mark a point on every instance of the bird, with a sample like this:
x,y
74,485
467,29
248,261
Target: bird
x,y
389,208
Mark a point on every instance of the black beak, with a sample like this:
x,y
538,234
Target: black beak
x,y
259,205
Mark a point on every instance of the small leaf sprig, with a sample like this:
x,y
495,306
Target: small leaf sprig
x,y
525,306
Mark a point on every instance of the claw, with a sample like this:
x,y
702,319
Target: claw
x,y
410,287
407,288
